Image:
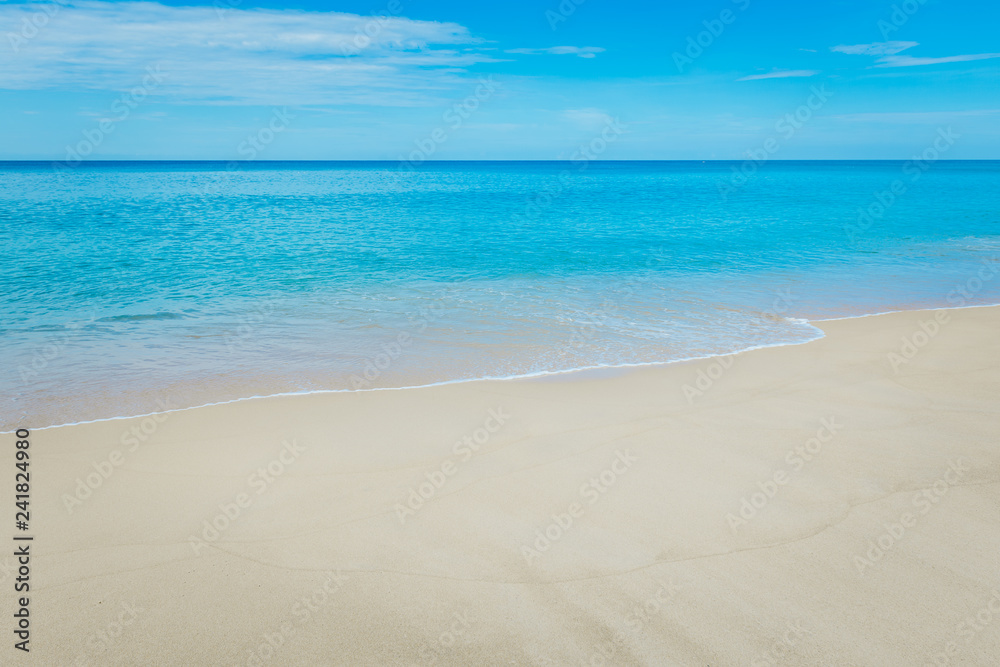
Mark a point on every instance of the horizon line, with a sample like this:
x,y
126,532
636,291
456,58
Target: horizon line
x,y
394,161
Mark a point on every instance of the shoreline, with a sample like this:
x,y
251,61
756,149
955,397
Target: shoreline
x,y
811,484
528,376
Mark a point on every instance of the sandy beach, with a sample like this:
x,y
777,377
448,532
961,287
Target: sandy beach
x,y
829,503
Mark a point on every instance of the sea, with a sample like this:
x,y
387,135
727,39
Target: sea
x,y
128,288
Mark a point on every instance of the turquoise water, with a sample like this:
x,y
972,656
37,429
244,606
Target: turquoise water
x,y
128,286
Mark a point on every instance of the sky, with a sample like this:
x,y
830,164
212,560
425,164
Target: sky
x,y
416,80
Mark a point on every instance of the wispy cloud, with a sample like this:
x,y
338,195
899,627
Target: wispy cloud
x,y
875,48
589,118
581,51
888,51
780,74
910,61
914,117
256,56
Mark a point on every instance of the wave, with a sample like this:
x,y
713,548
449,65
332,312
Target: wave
x,y
143,317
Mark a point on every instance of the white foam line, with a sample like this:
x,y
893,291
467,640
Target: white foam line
x,y
820,334
905,310
524,376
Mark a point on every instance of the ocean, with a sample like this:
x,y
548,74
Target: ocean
x,y
133,287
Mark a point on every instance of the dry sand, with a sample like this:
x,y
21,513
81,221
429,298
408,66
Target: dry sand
x,y
810,505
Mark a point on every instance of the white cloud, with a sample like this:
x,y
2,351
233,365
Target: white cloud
x,y
914,117
588,119
910,61
781,74
875,48
233,55
888,51
581,51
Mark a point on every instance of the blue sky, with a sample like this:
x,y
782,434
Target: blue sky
x,y
519,79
